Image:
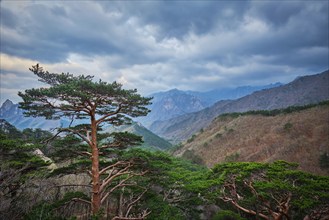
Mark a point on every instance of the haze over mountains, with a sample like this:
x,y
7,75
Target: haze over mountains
x,y
165,105
14,115
302,91
172,103
11,114
176,115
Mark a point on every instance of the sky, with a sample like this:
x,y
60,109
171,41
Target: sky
x,y
160,45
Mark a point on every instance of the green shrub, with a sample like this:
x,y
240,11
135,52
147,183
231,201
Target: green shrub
x,y
218,135
324,161
190,155
287,126
191,138
232,157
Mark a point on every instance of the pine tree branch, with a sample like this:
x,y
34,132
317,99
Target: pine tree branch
x,y
51,138
100,120
104,197
112,166
109,179
81,200
130,205
71,185
77,133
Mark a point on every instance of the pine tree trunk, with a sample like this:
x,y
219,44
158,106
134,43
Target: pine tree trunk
x,y
95,197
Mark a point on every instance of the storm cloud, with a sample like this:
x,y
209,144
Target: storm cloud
x,y
160,45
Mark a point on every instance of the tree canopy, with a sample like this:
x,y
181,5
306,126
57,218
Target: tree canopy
x,y
80,97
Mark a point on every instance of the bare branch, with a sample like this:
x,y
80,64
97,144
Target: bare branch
x,y
81,200
71,185
121,184
130,205
281,209
144,214
104,197
77,133
71,121
112,166
249,211
109,179
85,153
51,138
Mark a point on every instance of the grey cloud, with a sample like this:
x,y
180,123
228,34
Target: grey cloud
x,y
166,44
8,18
177,18
276,13
52,35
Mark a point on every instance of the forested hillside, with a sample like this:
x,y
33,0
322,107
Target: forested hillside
x,y
295,134
171,188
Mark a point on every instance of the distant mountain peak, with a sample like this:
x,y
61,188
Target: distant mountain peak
x,y
6,106
8,102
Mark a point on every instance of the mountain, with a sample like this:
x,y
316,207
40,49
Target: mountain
x,y
8,129
300,135
213,96
173,103
9,112
302,91
151,141
166,105
14,115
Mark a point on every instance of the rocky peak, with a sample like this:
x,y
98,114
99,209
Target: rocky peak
x,y
6,106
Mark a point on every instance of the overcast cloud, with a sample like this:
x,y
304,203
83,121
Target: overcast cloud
x,y
160,45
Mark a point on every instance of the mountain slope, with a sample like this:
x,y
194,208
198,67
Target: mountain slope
x,y
302,91
151,140
173,103
300,136
14,115
166,105
8,129
213,96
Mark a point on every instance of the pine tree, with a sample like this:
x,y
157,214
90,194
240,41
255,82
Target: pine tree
x,y
80,97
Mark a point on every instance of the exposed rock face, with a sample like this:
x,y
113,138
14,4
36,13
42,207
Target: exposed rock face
x,y
40,154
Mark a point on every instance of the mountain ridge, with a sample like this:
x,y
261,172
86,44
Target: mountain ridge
x,y
172,103
302,91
